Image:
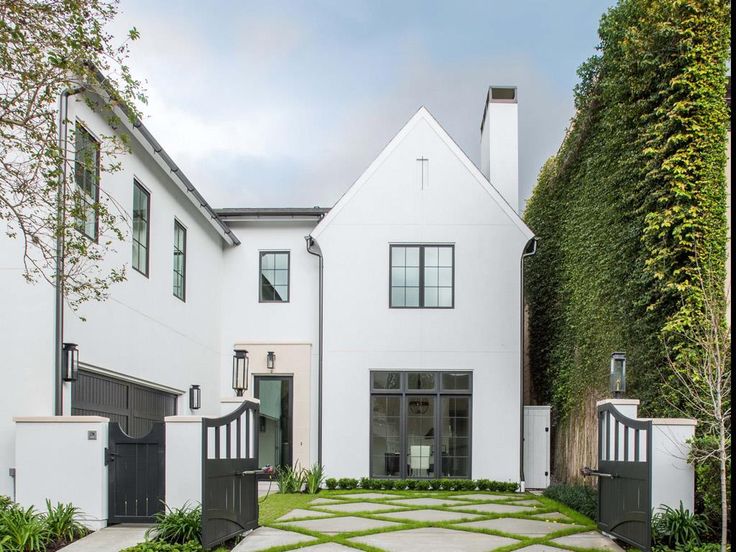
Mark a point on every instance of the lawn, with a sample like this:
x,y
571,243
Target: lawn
x,y
468,513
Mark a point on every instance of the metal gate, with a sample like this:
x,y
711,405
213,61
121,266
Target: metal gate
x,y
136,474
229,468
625,476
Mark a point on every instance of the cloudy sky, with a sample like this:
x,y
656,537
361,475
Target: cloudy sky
x,y
286,103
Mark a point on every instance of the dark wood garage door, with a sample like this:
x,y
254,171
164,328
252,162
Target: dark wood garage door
x,y
135,407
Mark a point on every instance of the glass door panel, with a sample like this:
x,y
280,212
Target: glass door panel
x,y
455,436
420,435
385,436
274,423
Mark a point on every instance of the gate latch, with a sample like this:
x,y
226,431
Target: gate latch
x,y
109,456
587,472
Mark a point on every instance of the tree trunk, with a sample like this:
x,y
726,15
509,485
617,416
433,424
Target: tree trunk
x,y
724,490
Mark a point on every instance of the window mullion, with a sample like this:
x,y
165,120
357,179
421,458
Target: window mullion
x,y
421,276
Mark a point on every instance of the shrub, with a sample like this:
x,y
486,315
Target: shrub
x,y
157,546
61,523
467,485
677,528
580,498
422,485
314,478
177,525
331,483
411,484
436,484
365,483
483,484
5,502
290,479
347,483
23,529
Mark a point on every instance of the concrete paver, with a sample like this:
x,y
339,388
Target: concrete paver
x,y
557,516
481,496
529,502
334,547
426,502
358,507
299,513
369,496
539,548
434,539
429,515
493,508
344,524
522,527
109,539
325,501
266,537
589,539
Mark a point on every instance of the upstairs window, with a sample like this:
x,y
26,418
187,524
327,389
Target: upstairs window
x,y
141,214
274,277
180,260
422,276
87,178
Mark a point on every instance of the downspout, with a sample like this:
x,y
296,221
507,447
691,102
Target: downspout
x,y
318,253
529,249
59,265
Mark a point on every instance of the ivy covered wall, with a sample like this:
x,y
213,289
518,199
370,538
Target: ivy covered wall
x,y
632,205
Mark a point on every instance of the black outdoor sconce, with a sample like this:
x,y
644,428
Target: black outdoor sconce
x,y
195,397
270,360
618,374
240,371
71,362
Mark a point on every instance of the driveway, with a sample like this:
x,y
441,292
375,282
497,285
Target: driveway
x,y
404,521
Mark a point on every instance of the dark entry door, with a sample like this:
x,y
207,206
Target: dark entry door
x,y
136,474
275,421
624,477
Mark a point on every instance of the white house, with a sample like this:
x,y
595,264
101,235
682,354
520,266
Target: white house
x,y
384,334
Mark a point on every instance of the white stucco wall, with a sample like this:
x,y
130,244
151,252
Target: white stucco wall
x,y
289,329
673,478
500,149
480,334
142,330
183,461
57,460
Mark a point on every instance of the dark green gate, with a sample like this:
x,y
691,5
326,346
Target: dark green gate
x,y
229,469
624,477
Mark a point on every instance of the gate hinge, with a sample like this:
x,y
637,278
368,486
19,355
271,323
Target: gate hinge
x,y
546,429
546,473
109,456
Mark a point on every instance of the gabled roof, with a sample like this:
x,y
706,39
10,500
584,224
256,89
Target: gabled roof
x,y
272,213
423,115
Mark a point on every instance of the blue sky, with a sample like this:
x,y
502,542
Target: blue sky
x,y
286,103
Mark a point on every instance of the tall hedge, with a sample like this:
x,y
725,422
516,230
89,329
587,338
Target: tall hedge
x,y
632,205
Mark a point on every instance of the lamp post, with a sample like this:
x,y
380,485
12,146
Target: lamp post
x,y
195,397
618,374
71,362
240,371
270,360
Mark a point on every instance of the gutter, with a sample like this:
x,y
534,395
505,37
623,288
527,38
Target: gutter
x,y
530,249
318,253
59,268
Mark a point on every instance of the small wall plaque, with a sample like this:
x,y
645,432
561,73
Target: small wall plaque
x,y
92,435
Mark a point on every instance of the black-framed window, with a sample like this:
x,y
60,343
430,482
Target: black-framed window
x,y
87,178
420,425
141,227
422,276
274,267
180,260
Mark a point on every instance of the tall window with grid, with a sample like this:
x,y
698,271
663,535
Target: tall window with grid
x,y
422,276
87,179
141,216
274,277
180,260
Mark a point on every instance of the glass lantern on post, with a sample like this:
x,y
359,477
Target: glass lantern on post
x,y
618,374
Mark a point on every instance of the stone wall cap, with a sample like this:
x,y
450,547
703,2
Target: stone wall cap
x,y
239,400
60,419
672,421
635,402
182,419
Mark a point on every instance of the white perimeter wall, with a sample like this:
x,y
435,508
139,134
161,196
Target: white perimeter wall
x,y
284,328
480,334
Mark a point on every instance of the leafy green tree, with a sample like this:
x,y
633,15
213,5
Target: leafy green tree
x,y
50,47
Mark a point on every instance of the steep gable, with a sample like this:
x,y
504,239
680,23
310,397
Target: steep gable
x,y
423,116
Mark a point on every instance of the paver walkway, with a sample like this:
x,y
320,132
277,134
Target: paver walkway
x,y
109,539
429,521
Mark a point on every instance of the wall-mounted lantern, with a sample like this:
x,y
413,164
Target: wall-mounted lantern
x,y
195,397
618,374
240,371
71,362
270,360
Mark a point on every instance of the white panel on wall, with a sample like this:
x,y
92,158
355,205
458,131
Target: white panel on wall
x,y
537,446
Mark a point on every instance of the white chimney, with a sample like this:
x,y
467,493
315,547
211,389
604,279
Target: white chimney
x,y
499,142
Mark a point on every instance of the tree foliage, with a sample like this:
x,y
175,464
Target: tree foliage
x,y
632,207
46,47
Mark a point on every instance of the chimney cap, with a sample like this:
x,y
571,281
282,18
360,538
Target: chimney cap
x,y
499,94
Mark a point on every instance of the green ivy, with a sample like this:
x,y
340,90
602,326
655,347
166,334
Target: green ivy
x,y
632,205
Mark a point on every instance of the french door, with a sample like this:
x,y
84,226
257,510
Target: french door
x,y
275,420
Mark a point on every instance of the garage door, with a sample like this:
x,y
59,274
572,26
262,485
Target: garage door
x,y
134,406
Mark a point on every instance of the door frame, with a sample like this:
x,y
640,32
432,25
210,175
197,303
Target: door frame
x,y
289,379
